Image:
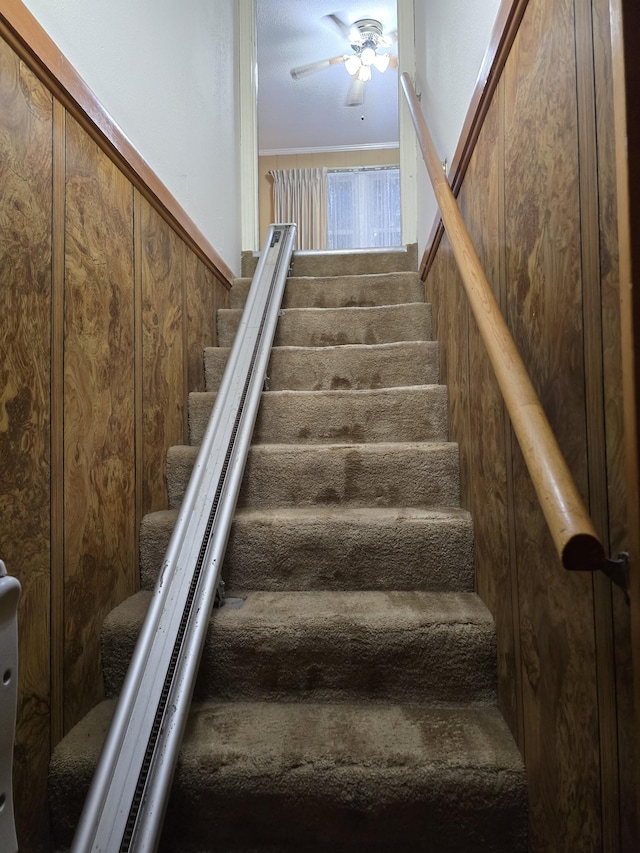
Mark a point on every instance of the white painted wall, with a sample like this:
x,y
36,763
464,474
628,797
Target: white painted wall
x,y
167,73
451,40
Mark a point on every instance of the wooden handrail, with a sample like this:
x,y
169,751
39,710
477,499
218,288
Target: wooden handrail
x,y
571,527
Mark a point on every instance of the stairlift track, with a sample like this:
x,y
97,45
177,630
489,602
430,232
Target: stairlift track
x,y
125,806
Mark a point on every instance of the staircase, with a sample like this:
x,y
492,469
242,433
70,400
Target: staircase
x,y
346,698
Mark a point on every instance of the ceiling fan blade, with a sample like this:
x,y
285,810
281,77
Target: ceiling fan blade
x,y
355,96
390,38
305,70
343,29
393,60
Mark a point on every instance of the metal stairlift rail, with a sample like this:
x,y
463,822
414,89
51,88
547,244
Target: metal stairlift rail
x,y
125,807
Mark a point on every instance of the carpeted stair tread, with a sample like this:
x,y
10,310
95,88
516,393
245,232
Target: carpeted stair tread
x,y
352,366
350,262
342,291
337,326
330,646
411,474
415,413
269,776
300,548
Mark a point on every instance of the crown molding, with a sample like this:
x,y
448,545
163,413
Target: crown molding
x,y
374,146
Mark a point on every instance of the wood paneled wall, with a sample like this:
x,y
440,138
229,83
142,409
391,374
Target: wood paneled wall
x,y
323,159
104,313
539,201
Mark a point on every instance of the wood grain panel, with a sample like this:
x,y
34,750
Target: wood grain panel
x,y
138,365
556,255
57,425
481,202
100,563
610,277
204,293
625,27
70,477
25,257
451,321
458,381
163,397
613,419
545,314
435,294
25,304
595,421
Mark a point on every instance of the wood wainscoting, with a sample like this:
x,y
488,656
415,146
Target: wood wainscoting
x,y
539,199
104,313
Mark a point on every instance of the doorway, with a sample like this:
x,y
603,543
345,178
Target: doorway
x,y
305,122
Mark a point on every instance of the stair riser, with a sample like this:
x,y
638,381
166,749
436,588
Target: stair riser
x,y
344,263
252,654
311,554
340,291
317,821
319,327
325,475
213,809
321,417
357,781
335,368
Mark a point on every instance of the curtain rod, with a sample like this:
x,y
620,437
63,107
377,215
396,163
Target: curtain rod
x,y
364,168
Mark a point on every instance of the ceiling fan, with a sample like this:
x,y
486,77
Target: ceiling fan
x,y
368,42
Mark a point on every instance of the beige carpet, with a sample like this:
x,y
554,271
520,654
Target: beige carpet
x,y
346,697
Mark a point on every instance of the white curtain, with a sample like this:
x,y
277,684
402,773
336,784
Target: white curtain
x,y
363,207
300,196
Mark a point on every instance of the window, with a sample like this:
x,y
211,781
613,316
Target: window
x,y
363,207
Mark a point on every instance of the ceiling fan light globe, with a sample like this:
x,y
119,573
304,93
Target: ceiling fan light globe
x,y
364,74
352,64
368,56
381,62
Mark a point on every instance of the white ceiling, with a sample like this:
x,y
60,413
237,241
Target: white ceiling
x,y
309,114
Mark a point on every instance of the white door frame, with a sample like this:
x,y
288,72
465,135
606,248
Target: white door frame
x,y
408,144
248,99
